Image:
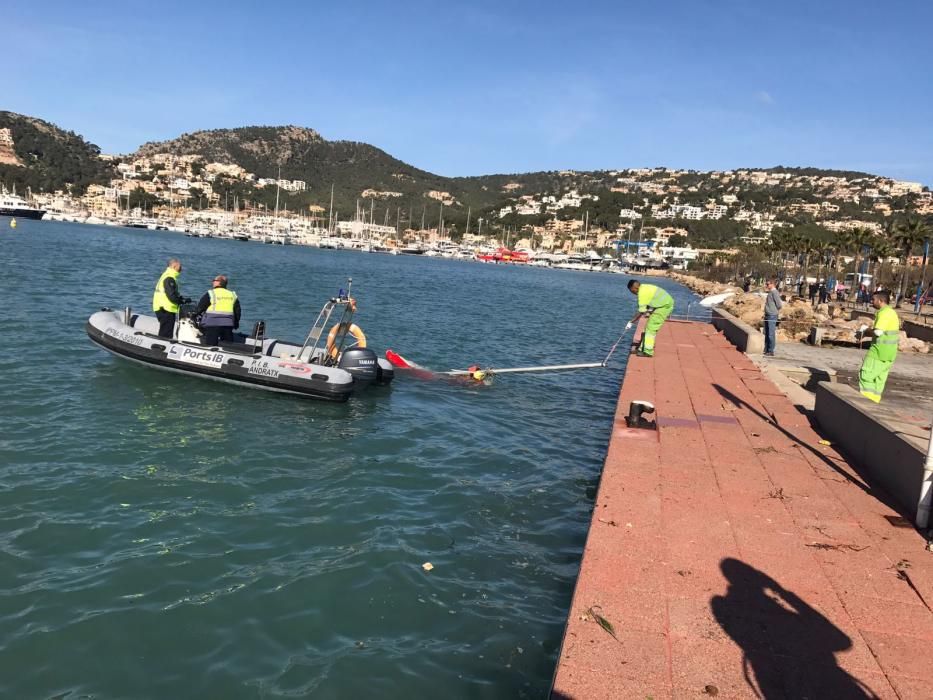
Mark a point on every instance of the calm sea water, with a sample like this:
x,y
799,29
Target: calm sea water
x,y
162,536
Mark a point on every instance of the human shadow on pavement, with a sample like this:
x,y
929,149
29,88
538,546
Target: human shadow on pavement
x,y
866,484
788,647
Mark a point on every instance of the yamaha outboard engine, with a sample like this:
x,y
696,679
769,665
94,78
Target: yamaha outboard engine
x,y
361,363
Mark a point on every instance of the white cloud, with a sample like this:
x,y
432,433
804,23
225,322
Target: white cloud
x,y
764,97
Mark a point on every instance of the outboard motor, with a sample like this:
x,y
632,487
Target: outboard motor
x,y
361,363
385,373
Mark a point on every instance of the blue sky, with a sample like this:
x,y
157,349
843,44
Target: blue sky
x,y
469,88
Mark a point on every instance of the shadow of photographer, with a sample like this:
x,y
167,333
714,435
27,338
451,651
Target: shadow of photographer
x,y
789,648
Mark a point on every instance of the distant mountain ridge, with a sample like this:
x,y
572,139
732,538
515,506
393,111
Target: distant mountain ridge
x,y
256,146
302,154
47,158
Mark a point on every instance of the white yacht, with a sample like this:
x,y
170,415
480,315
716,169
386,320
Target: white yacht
x,y
11,205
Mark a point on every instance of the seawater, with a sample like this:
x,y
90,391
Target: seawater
x,y
164,536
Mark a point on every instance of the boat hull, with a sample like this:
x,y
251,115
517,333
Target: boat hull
x,y
22,213
258,370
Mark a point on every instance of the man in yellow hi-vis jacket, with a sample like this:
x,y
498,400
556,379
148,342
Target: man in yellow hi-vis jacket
x,y
654,300
880,357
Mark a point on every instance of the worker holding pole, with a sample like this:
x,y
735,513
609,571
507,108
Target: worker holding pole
x,y
654,301
880,357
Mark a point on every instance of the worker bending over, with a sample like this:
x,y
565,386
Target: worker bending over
x,y
654,300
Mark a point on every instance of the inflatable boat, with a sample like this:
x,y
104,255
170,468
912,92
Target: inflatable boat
x,y
330,370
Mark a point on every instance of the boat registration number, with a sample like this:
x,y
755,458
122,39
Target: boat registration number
x,y
125,337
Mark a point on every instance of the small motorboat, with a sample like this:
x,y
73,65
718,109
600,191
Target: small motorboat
x,y
330,366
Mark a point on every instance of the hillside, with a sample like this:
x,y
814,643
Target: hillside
x,y
46,158
712,207
302,154
355,168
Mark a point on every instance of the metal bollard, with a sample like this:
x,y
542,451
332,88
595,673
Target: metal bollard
x,y
634,419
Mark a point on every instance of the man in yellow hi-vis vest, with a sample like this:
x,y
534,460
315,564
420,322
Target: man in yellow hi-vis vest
x,y
167,298
654,300
880,357
220,312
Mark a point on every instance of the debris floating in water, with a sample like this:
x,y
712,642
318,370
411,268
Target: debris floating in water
x,y
427,566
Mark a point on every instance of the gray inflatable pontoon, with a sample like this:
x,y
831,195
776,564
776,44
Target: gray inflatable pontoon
x,y
329,373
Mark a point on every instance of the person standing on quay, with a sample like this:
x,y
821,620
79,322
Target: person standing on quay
x,y
880,357
773,306
167,298
221,312
660,304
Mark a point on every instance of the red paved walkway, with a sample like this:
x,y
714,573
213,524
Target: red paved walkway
x,y
735,556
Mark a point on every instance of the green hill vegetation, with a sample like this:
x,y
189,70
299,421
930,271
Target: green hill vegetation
x,y
51,158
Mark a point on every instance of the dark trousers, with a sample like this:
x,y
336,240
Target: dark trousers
x,y
770,332
213,335
166,323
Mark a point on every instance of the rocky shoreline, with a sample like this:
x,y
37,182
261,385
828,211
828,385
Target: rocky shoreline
x,y
797,317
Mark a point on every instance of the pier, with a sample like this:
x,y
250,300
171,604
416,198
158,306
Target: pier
x,y
733,552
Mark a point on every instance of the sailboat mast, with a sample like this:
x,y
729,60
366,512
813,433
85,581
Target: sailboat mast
x,y
276,216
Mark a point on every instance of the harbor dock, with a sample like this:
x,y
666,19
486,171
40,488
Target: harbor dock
x,y
734,552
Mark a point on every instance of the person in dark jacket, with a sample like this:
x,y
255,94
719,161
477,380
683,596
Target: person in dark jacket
x,y
773,306
167,298
220,312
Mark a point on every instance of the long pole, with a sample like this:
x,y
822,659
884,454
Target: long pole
x,y
330,215
926,488
923,275
276,217
516,370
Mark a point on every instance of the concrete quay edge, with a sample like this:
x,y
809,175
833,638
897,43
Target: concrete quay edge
x,y
745,338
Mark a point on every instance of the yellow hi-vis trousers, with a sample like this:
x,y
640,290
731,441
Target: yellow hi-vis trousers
x,y
873,375
655,321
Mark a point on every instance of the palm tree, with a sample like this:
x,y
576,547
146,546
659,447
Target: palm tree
x,y
905,235
842,243
881,250
805,247
927,232
779,244
861,237
822,249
